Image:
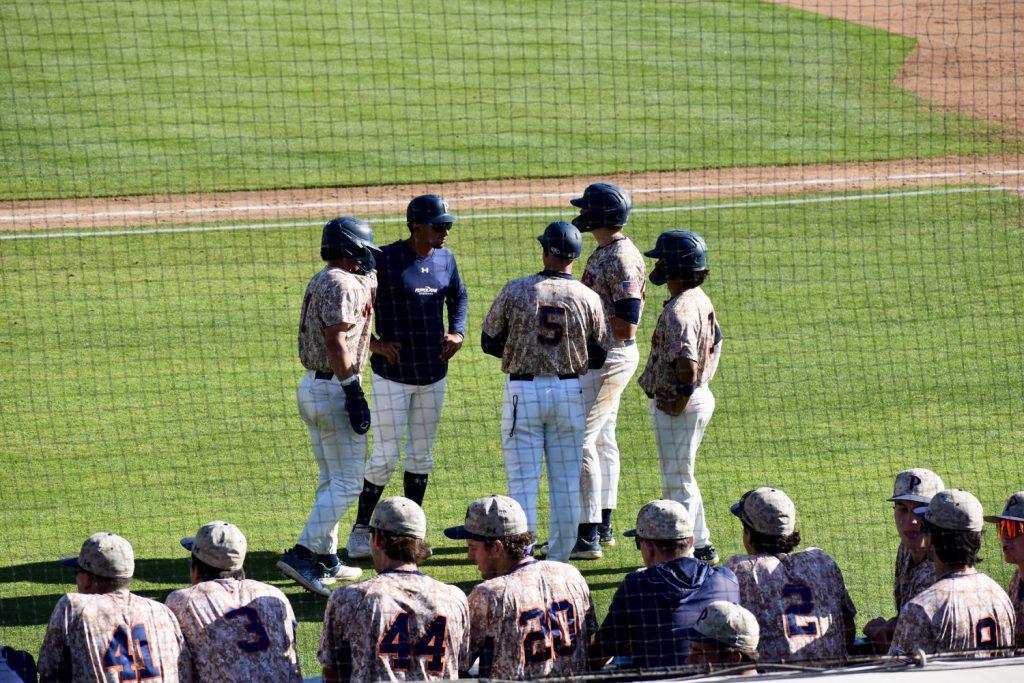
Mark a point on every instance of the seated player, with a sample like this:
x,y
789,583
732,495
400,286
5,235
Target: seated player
x,y
237,629
103,632
914,570
725,635
963,610
529,618
1011,539
653,607
16,666
400,625
799,598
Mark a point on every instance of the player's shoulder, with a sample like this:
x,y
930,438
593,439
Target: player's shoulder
x,y
745,563
563,570
810,556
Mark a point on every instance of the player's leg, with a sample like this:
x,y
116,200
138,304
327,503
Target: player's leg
x,y
590,472
698,411
424,418
623,364
563,442
522,446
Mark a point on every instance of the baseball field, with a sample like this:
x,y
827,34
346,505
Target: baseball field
x,y
873,318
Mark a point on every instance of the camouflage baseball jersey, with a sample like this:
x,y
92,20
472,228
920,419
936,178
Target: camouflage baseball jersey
x,y
685,329
911,578
800,601
399,626
961,611
113,637
616,271
548,320
335,296
535,621
237,631
1017,598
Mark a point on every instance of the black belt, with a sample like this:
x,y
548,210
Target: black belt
x,y
520,377
626,342
323,375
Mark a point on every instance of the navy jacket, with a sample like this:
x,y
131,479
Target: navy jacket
x,y
412,294
650,603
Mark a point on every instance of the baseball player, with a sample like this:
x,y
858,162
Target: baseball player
x,y
1011,540
617,272
725,635
547,329
799,598
653,608
685,351
963,610
237,629
530,618
914,570
334,338
106,633
401,624
416,280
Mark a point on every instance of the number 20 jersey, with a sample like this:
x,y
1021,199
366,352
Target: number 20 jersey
x,y
238,631
535,621
800,601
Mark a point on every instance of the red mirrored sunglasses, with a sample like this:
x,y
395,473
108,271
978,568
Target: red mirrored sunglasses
x,y
1010,529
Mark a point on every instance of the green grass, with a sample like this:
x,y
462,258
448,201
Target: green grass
x,y
105,98
147,386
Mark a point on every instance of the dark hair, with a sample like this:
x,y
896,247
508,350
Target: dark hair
x,y
210,573
403,548
694,278
953,548
106,584
516,546
772,545
721,649
672,546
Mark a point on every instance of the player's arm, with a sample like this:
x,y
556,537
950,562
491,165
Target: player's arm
x,y
494,333
54,661
686,374
626,319
344,368
457,300
600,339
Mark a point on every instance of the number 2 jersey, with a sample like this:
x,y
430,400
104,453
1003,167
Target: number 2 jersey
x,y
800,601
237,631
534,621
113,637
398,626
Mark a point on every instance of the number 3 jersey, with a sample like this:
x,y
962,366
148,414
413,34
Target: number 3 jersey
x,y
800,601
113,637
398,626
534,621
237,631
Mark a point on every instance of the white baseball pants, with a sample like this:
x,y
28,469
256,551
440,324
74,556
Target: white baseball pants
x,y
398,410
543,420
677,439
339,453
602,390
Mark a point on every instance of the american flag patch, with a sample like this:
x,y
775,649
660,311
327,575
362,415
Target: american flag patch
x,y
631,288
675,347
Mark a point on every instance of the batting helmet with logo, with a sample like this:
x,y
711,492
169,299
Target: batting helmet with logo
x,y
679,253
347,237
431,209
563,240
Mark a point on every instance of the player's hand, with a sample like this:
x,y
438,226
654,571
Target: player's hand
x,y
880,631
388,349
450,344
356,407
671,404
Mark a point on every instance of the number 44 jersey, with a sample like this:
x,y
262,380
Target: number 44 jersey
x,y
237,631
534,621
800,601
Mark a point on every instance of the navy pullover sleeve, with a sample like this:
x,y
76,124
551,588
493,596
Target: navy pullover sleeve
x,y
457,299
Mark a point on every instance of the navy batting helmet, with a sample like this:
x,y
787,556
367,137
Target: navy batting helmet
x,y
602,205
348,237
563,240
429,208
680,252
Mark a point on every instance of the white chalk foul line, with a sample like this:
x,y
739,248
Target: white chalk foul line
x,y
806,182
519,214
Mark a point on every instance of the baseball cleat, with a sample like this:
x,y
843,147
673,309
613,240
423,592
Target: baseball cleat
x,y
338,572
606,535
302,571
541,550
358,546
586,550
707,555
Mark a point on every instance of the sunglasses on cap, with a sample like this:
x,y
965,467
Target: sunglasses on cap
x,y
1010,529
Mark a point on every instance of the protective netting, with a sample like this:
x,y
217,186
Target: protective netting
x,y
166,170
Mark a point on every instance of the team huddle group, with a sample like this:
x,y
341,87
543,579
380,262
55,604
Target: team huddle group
x,y
568,348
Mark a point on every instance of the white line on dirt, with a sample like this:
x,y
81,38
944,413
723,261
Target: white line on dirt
x,y
521,214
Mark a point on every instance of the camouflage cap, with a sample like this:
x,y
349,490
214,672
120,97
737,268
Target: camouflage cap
x,y
954,509
1014,510
104,554
401,516
489,518
917,485
218,544
662,520
767,510
727,624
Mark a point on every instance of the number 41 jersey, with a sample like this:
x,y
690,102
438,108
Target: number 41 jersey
x,y
800,601
534,621
237,631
